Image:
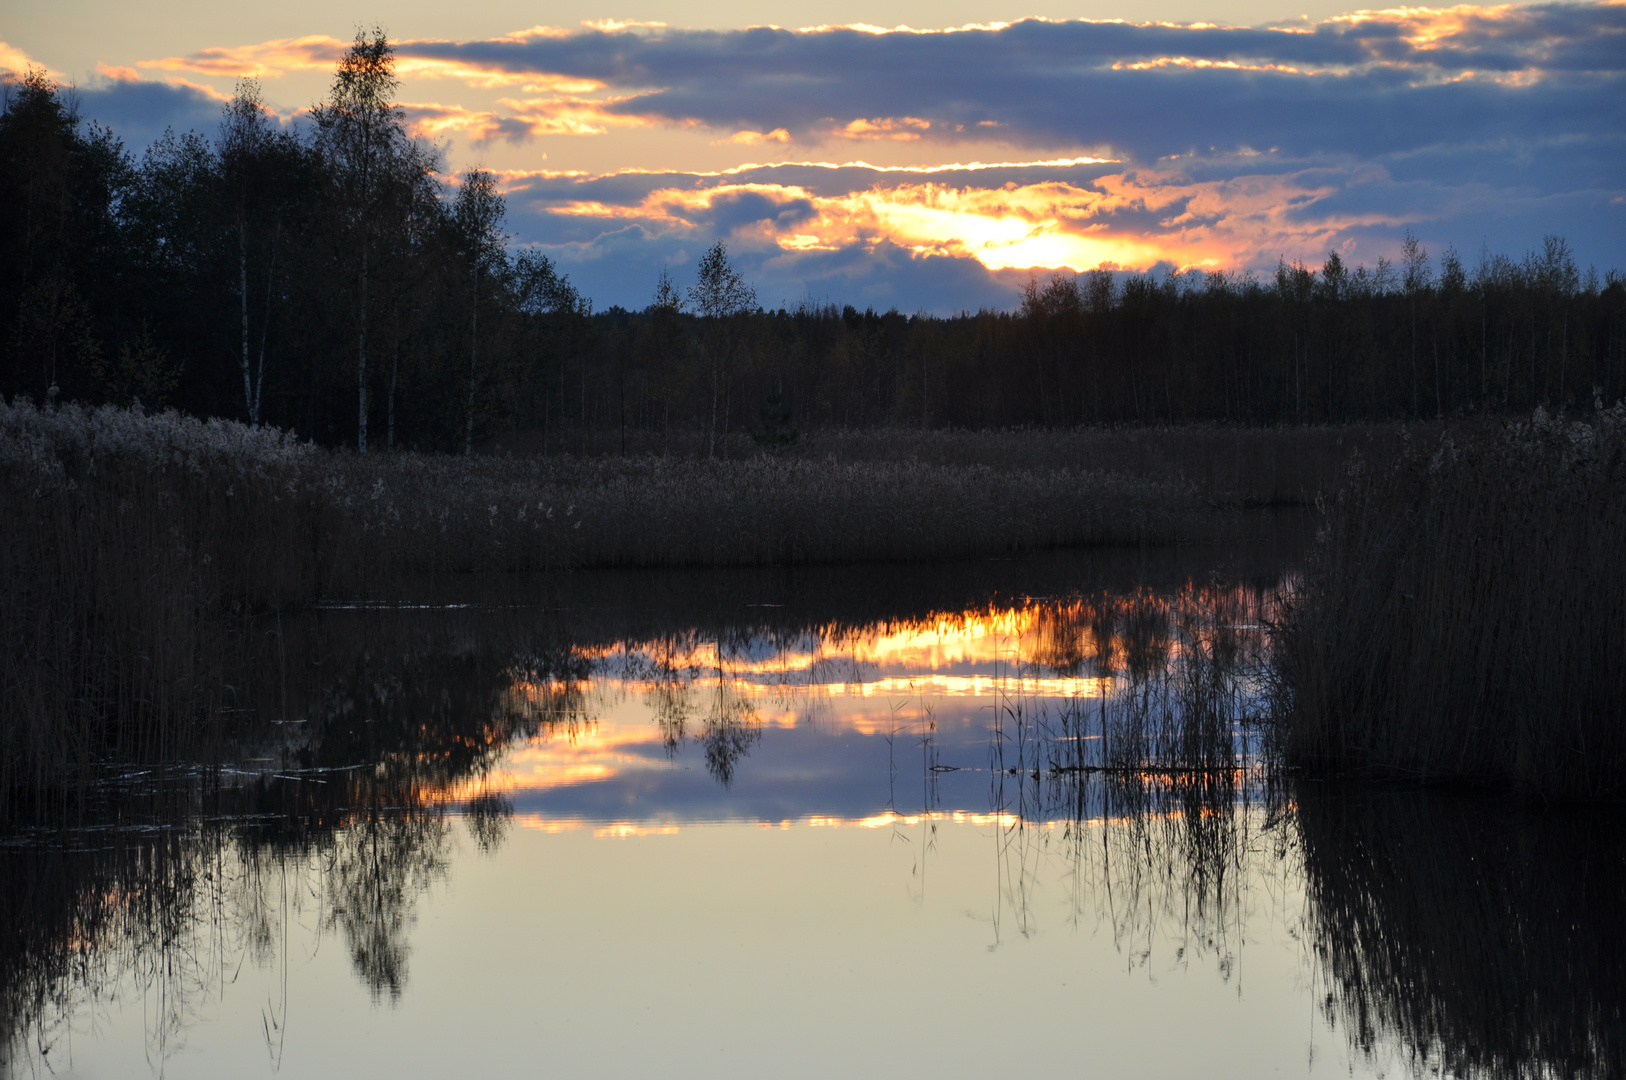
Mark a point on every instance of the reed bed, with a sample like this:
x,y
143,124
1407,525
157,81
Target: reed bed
x,y
124,541
1228,466
133,545
416,512
1464,618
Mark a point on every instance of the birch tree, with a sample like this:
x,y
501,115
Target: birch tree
x,y
478,212
362,133
719,295
259,169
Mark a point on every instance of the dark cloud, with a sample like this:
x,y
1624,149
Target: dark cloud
x,y
1388,89
620,266
138,111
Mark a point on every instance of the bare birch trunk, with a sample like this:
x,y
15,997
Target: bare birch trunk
x,y
242,289
361,362
395,371
474,346
265,322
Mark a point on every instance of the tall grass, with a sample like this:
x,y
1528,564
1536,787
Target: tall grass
x,y
1465,616
124,539
1227,465
418,512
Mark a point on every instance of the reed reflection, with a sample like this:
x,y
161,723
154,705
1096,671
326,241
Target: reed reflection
x,y
1156,680
1462,937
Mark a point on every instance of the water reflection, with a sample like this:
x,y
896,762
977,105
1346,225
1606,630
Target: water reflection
x,y
1159,681
1095,740
162,919
1486,938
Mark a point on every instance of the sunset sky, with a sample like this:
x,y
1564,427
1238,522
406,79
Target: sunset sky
x,y
932,156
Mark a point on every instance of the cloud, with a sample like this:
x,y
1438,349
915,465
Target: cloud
x,y
1360,86
796,222
14,61
757,138
1044,143
1150,90
1138,219
895,128
519,120
138,110
1398,77
266,60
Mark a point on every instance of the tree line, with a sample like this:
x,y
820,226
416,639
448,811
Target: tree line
x,y
327,278
332,279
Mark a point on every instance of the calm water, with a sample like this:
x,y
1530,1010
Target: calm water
x,y
943,820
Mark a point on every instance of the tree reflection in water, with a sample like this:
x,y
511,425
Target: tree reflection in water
x,y
693,691
374,873
1448,934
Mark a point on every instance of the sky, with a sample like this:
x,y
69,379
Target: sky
x,y
934,156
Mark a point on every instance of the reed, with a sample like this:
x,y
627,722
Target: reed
x,y
1228,465
414,513
125,541
1464,617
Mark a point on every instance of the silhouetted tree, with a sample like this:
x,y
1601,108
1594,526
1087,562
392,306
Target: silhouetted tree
x,y
363,137
479,214
720,295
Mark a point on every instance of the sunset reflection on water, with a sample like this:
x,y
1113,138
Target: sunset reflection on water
x,y
621,738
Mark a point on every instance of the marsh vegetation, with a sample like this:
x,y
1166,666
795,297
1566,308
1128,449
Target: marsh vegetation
x,y
1464,618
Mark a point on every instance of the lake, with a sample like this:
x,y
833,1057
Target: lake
x,y
946,820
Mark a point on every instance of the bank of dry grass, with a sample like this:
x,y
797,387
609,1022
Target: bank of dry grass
x,y
457,513
1465,616
1229,465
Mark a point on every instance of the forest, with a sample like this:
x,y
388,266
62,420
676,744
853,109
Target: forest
x,y
330,277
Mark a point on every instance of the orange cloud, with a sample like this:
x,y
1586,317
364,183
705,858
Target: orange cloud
x,y
756,138
1189,62
612,26
268,59
487,78
570,115
523,118
14,59
116,73
896,128
1128,220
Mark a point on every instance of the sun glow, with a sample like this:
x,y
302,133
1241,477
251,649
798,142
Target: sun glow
x,y
1052,225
